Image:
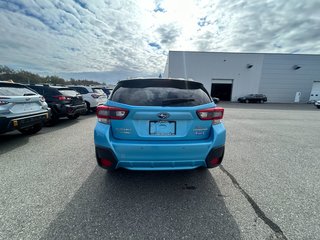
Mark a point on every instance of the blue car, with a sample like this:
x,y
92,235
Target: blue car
x,y
159,124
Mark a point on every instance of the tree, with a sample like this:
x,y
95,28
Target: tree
x,y
26,77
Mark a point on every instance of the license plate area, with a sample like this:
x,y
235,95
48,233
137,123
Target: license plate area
x,y
28,122
162,128
29,107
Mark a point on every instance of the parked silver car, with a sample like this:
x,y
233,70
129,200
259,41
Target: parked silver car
x,y
21,109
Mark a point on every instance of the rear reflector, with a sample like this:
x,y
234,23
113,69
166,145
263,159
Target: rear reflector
x,y
211,113
215,161
106,162
215,157
105,113
42,99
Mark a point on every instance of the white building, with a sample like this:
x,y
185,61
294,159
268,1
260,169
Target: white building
x,y
282,77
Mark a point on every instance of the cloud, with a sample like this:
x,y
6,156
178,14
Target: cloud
x,y
134,36
158,8
168,34
257,26
155,45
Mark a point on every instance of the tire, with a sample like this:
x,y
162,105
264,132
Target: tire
x,y
318,107
246,101
54,119
88,108
261,101
73,117
31,130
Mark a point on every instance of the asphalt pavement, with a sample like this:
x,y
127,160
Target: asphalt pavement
x,y
267,188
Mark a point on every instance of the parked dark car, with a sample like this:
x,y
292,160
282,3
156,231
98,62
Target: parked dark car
x,y
21,109
253,98
63,101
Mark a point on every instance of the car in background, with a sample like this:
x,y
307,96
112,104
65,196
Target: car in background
x,y
159,124
317,104
63,101
253,98
216,100
93,97
100,90
21,109
106,90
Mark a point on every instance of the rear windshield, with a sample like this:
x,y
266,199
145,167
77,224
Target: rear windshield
x,y
68,92
14,90
98,90
81,90
45,91
175,93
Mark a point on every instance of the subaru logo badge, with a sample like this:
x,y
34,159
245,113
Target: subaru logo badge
x,y
163,115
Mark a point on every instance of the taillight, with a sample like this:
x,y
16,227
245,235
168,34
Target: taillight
x,y
62,98
3,100
95,95
42,99
213,114
105,113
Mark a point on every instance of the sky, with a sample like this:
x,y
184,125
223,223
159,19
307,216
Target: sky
x,y
111,40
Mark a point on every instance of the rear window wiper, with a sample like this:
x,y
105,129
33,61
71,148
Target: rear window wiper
x,y
177,100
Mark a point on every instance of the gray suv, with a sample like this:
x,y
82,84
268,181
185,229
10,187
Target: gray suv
x,y
21,109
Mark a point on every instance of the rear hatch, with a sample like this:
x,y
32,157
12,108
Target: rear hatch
x,y
100,95
71,95
160,109
18,99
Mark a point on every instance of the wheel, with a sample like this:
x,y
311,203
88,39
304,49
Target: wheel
x,y
54,119
318,107
261,101
246,101
73,117
31,130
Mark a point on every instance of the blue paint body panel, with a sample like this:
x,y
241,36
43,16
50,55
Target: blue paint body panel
x,y
136,148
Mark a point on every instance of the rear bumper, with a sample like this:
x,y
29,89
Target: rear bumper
x,y
77,109
159,155
20,122
68,110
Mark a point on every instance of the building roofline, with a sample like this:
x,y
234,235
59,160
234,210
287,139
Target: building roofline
x,y
290,54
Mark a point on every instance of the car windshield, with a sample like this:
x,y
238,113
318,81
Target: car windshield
x,y
98,90
160,93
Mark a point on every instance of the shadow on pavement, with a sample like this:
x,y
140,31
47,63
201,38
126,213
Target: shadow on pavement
x,y
12,140
62,123
146,205
66,122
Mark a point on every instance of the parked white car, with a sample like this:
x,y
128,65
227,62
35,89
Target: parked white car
x,y
92,96
317,104
21,109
